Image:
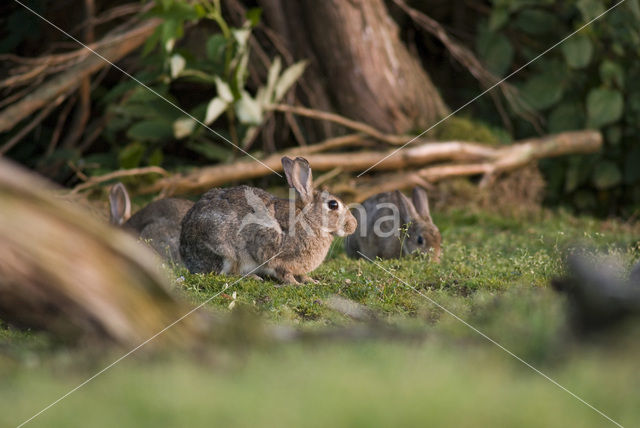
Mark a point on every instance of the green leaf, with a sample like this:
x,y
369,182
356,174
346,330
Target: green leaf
x,y
210,150
215,108
543,90
183,127
634,5
612,73
495,50
182,11
131,155
499,16
248,110
166,4
223,89
170,29
156,157
176,65
566,117
241,72
288,78
604,106
215,48
152,41
158,109
242,36
537,22
606,175
151,130
200,10
590,8
253,16
266,94
577,51
144,95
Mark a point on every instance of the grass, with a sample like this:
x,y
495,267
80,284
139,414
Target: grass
x,y
432,370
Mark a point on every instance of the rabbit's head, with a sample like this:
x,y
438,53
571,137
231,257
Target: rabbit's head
x,y
421,234
320,208
119,205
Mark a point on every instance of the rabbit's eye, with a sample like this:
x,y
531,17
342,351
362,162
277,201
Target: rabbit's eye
x,y
333,204
420,240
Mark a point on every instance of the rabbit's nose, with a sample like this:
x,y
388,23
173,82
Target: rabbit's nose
x,y
350,225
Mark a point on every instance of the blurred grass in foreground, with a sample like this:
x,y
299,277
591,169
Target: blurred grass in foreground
x,y
494,274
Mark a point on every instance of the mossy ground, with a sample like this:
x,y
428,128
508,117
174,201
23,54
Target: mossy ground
x,y
428,368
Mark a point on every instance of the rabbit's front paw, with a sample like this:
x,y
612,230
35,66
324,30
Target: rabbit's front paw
x,y
287,278
307,279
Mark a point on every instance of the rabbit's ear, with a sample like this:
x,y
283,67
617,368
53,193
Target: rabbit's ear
x,y
404,207
421,202
299,177
120,204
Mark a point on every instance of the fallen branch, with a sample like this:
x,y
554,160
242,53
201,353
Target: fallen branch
x,y
63,271
501,158
94,181
113,49
35,122
350,140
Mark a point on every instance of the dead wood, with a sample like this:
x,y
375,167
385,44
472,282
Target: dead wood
x,y
94,181
504,159
113,48
65,272
358,64
344,121
465,159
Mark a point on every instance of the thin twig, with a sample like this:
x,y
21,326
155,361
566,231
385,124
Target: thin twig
x,y
341,120
35,122
62,118
83,112
94,181
466,57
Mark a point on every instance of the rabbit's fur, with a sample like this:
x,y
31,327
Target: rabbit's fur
x,y
414,229
242,230
158,224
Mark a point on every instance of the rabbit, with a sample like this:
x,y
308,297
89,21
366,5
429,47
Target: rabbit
x,y
414,228
158,223
242,230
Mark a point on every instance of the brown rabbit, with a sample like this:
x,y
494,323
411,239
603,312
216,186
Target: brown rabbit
x,y
241,230
391,226
158,223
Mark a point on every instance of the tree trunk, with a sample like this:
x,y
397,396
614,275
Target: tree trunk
x,y
358,64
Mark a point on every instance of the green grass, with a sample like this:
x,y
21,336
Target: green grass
x,y
418,366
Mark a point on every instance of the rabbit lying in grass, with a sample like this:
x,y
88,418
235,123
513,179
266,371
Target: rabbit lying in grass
x,y
158,223
241,229
390,226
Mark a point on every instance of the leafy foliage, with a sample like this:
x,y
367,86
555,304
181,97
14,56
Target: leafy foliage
x,y
150,124
590,80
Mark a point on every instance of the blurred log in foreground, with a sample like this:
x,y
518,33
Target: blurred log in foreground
x,y
455,159
72,275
